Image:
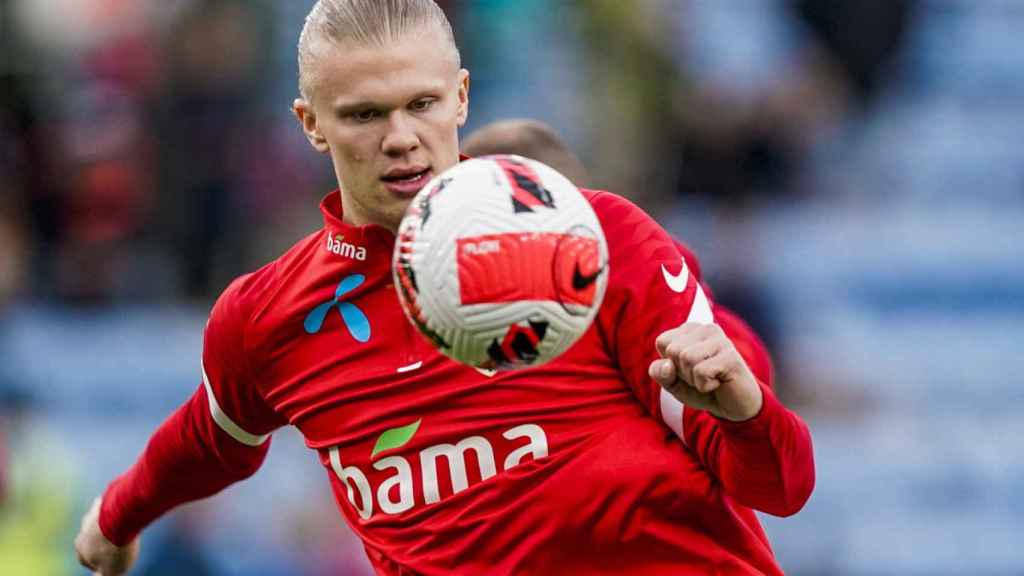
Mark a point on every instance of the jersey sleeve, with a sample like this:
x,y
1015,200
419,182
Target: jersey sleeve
x,y
742,335
217,437
229,377
650,290
765,463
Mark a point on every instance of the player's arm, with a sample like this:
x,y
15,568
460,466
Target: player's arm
x,y
759,450
743,336
219,436
764,459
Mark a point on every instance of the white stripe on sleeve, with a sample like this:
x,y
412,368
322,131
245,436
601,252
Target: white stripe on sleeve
x,y
671,407
225,422
672,413
700,312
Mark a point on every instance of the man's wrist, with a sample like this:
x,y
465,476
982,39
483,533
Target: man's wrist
x,y
749,405
766,404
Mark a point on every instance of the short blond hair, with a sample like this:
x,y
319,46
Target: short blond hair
x,y
367,22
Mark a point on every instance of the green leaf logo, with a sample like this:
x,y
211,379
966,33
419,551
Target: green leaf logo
x,y
395,438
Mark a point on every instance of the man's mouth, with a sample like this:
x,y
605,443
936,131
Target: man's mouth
x,y
406,182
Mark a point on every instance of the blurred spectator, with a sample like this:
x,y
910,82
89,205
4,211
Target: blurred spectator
x,y
110,190
527,59
743,135
861,39
208,121
631,85
29,202
738,145
13,250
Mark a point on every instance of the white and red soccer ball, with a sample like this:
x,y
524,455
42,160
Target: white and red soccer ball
x,y
501,262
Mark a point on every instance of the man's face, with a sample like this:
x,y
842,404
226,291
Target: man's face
x,y
389,118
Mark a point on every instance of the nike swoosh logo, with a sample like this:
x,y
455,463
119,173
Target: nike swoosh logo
x,y
676,282
486,371
581,282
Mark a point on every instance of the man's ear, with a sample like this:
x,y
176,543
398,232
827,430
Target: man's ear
x,y
463,112
307,119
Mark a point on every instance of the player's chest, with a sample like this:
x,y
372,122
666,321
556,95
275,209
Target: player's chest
x,y
346,366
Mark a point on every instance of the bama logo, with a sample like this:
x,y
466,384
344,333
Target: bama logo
x,y
355,320
337,245
395,491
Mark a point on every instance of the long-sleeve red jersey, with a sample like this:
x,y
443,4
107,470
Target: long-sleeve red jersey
x,y
583,465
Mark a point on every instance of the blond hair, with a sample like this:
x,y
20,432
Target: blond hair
x,y
366,22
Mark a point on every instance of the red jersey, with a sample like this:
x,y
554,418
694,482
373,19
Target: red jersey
x,y
583,465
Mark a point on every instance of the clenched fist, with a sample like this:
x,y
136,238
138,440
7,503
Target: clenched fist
x,y
700,367
97,553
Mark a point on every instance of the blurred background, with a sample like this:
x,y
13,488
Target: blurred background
x,y
851,174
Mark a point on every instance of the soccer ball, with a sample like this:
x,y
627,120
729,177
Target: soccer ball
x,y
501,263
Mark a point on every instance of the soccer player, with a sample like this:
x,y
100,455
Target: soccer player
x,y
644,449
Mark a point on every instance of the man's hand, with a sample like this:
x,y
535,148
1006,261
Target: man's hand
x,y
700,367
97,553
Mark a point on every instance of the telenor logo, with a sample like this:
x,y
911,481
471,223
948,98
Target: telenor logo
x,y
355,320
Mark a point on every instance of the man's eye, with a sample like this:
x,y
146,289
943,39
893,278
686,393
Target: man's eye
x,y
422,104
365,115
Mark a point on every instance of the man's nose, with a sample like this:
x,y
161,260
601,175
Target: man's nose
x,y
401,138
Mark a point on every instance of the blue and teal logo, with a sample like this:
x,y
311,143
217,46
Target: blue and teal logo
x,y
355,320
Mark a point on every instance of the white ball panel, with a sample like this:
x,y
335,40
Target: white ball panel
x,y
477,201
